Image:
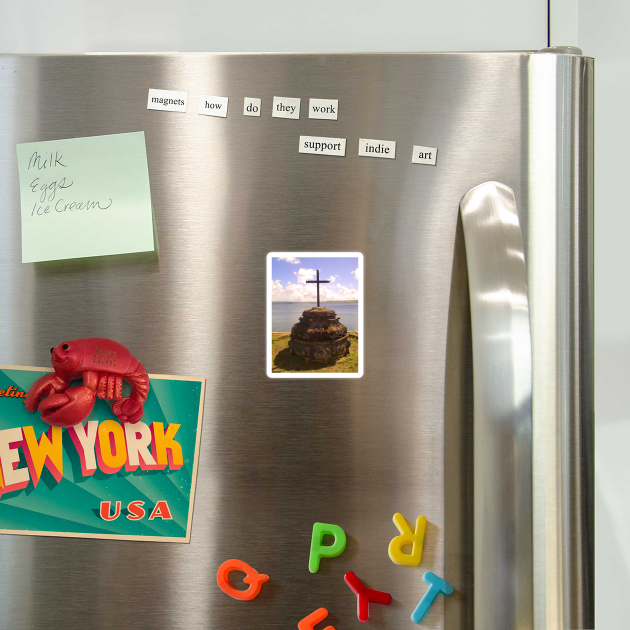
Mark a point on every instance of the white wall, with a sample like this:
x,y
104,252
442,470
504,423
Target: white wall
x,y
270,25
604,29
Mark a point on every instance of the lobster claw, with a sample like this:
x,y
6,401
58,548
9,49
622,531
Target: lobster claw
x,y
43,386
68,408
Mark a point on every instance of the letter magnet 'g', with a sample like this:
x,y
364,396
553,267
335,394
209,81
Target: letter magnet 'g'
x,y
407,537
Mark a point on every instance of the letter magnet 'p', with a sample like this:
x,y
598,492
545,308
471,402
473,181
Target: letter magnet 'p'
x,y
407,537
319,550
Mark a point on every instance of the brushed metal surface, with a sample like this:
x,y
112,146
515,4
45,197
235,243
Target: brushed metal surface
x,y
560,275
276,455
502,368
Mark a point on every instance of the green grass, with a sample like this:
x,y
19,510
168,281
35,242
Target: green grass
x,y
283,361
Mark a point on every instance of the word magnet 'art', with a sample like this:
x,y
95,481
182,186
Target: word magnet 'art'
x,y
98,448
365,596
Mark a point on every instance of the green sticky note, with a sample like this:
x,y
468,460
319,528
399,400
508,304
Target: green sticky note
x,y
85,197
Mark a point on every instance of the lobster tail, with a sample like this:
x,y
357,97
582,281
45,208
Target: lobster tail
x,y
139,381
130,409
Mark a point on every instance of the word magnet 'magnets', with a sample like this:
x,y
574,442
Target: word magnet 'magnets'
x,y
407,537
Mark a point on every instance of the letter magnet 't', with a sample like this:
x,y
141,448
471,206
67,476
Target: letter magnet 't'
x,y
436,586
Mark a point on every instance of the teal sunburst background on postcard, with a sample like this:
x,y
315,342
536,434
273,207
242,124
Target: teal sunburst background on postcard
x,y
72,505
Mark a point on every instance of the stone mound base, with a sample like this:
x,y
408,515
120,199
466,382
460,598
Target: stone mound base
x,y
320,351
319,336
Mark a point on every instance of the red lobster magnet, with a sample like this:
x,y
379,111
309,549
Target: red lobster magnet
x,y
103,364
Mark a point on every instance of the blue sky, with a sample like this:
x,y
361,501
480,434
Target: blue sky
x,y
289,277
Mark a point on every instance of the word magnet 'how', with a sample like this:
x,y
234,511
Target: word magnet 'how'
x,y
319,551
407,537
252,577
309,623
436,586
365,595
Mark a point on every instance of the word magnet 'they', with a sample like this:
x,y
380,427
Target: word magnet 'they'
x,y
319,550
407,537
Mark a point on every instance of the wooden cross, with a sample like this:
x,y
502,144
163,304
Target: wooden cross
x,y
318,282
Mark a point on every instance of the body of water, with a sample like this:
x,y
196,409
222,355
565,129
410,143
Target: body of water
x,y
286,314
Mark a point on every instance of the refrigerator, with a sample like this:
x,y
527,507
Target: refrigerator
x,y
473,404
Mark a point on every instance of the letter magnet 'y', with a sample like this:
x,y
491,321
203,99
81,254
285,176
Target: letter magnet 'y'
x,y
407,537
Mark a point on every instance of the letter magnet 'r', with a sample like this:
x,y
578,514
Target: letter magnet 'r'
x,y
407,537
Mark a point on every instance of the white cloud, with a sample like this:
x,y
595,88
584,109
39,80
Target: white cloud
x,y
355,273
301,292
305,274
293,261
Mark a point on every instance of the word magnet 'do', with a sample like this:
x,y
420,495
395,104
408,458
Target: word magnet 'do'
x,y
319,551
252,577
407,537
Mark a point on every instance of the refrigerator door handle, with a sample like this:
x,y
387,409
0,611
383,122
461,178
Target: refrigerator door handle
x,y
502,373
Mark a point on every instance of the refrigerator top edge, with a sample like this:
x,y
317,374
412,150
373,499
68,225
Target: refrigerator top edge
x,y
467,53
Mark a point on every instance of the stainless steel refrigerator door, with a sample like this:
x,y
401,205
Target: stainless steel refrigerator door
x,y
278,455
